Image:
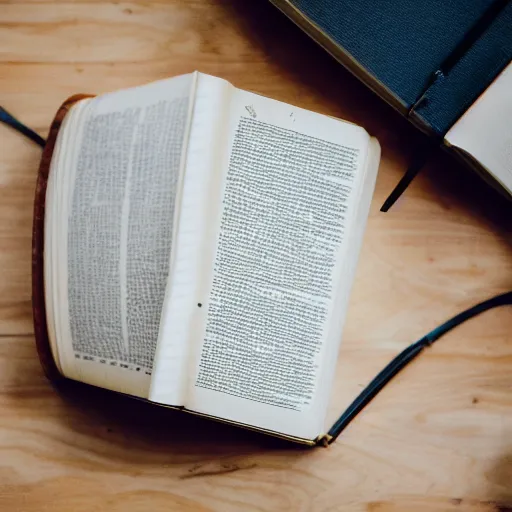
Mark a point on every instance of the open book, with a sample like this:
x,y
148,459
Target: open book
x,y
199,248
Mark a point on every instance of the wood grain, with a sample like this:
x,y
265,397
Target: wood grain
x,y
439,438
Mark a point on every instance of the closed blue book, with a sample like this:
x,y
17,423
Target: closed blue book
x,y
431,60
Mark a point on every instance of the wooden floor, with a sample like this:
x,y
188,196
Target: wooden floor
x,y
438,438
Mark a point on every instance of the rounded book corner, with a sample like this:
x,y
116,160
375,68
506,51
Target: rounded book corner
x,y
323,440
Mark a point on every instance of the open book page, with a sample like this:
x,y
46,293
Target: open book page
x,y
292,184
116,180
282,213
485,130
52,214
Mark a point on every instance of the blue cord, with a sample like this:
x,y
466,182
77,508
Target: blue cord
x,y
405,357
11,121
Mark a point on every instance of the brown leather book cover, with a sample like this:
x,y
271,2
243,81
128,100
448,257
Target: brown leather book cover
x,y
38,299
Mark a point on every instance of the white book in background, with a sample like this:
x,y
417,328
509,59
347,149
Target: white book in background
x,y
485,130
200,246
